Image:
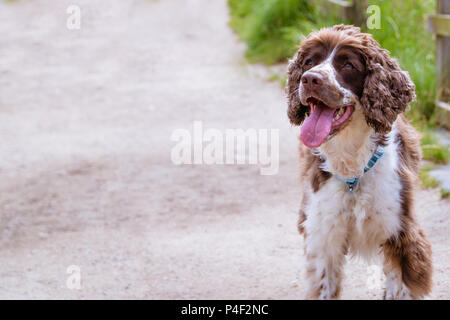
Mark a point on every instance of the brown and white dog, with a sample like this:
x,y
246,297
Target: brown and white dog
x,y
348,94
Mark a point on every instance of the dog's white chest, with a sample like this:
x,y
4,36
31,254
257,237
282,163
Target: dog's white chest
x,y
372,211
368,216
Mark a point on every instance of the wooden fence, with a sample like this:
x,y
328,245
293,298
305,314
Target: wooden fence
x,y
353,11
439,24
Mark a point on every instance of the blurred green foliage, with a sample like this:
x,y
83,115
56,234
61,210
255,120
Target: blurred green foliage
x,y
431,148
272,29
426,180
404,33
266,26
445,193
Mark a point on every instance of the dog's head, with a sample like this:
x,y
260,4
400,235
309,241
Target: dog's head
x,y
339,71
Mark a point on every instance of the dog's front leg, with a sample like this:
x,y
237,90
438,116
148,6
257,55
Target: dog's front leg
x,y
325,241
408,264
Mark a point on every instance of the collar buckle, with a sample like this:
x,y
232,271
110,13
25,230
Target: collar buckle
x,y
352,183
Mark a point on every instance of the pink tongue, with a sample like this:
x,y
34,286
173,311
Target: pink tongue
x,y
317,126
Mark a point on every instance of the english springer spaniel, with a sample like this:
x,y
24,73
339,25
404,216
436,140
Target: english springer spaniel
x,y
359,162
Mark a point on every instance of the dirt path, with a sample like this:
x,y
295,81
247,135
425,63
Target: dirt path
x,y
85,172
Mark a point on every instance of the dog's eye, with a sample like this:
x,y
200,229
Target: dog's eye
x,y
348,66
308,62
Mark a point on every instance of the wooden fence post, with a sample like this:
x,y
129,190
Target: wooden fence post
x,y
357,12
439,24
353,11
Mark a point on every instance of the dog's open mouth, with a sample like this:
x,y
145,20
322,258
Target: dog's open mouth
x,y
321,121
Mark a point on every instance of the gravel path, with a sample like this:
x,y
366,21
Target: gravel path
x,y
86,177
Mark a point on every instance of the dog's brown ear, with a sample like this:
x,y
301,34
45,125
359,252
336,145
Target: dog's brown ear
x,y
387,90
296,111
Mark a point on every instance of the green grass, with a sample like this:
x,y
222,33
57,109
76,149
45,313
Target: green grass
x,y
444,193
431,148
426,180
281,78
273,77
273,29
270,27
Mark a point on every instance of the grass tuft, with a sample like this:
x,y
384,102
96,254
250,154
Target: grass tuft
x,y
445,193
431,148
426,180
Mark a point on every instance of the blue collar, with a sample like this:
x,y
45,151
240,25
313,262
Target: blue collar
x,y
352,183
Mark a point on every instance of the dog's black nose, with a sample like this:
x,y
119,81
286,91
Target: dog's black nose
x,y
312,80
